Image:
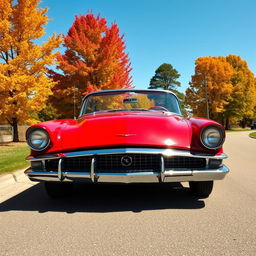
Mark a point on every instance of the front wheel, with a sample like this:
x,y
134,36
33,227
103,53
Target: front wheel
x,y
58,189
201,188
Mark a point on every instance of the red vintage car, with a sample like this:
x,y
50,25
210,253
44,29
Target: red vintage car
x,y
127,136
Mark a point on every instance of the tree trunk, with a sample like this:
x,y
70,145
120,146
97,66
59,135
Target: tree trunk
x,y
15,130
243,123
222,119
227,126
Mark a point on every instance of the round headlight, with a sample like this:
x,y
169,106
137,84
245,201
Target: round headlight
x,y
212,137
38,139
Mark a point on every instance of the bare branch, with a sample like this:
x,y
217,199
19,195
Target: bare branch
x,y
6,57
2,55
9,121
12,54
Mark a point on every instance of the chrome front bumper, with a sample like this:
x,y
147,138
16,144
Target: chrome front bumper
x,y
165,175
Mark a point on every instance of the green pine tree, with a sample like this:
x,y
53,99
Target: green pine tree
x,y
165,78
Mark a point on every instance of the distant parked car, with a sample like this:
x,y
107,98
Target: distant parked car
x,y
127,136
253,125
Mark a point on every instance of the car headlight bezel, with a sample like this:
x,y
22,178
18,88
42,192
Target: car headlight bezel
x,y
207,137
41,138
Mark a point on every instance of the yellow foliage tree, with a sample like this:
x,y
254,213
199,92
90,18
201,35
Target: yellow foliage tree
x,y
225,88
24,87
243,98
210,88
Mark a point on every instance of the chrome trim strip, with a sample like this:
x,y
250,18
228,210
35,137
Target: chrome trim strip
x,y
42,157
77,174
60,175
176,175
164,152
125,135
92,174
180,172
128,174
44,167
161,176
110,172
32,173
129,90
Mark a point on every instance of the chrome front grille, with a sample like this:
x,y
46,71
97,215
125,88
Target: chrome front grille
x,y
184,162
127,163
72,164
77,164
115,163
52,165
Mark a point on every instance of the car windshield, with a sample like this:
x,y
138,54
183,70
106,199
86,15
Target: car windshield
x,y
130,101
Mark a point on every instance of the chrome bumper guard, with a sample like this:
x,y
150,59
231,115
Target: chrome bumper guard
x,y
165,175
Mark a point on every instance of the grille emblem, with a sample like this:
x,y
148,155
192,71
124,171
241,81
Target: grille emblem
x,y
126,161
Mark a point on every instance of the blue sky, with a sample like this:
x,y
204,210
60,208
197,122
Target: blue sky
x,y
174,31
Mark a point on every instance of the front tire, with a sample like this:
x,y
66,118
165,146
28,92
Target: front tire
x,y
201,188
58,189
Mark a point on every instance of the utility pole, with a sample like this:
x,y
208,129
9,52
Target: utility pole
x,y
206,98
207,109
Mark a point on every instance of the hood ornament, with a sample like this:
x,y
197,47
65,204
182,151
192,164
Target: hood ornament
x,y
125,135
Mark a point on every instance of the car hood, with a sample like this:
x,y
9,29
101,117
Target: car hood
x,y
131,129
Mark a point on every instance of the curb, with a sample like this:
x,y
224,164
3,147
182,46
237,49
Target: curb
x,y
11,178
252,136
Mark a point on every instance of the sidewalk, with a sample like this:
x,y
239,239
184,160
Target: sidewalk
x,y
11,178
14,183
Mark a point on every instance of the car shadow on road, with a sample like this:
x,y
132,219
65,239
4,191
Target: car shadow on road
x,y
106,198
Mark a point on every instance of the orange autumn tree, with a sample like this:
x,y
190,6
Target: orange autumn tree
x,y
24,87
94,60
210,87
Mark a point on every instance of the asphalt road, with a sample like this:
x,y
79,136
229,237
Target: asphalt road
x,y
137,220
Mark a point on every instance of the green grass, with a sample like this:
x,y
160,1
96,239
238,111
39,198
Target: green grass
x,y
253,135
12,156
239,130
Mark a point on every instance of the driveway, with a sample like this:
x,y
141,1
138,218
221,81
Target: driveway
x,y
137,220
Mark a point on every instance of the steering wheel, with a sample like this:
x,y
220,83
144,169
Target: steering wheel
x,y
159,108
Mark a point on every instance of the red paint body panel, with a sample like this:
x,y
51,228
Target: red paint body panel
x,y
155,129
147,129
105,131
